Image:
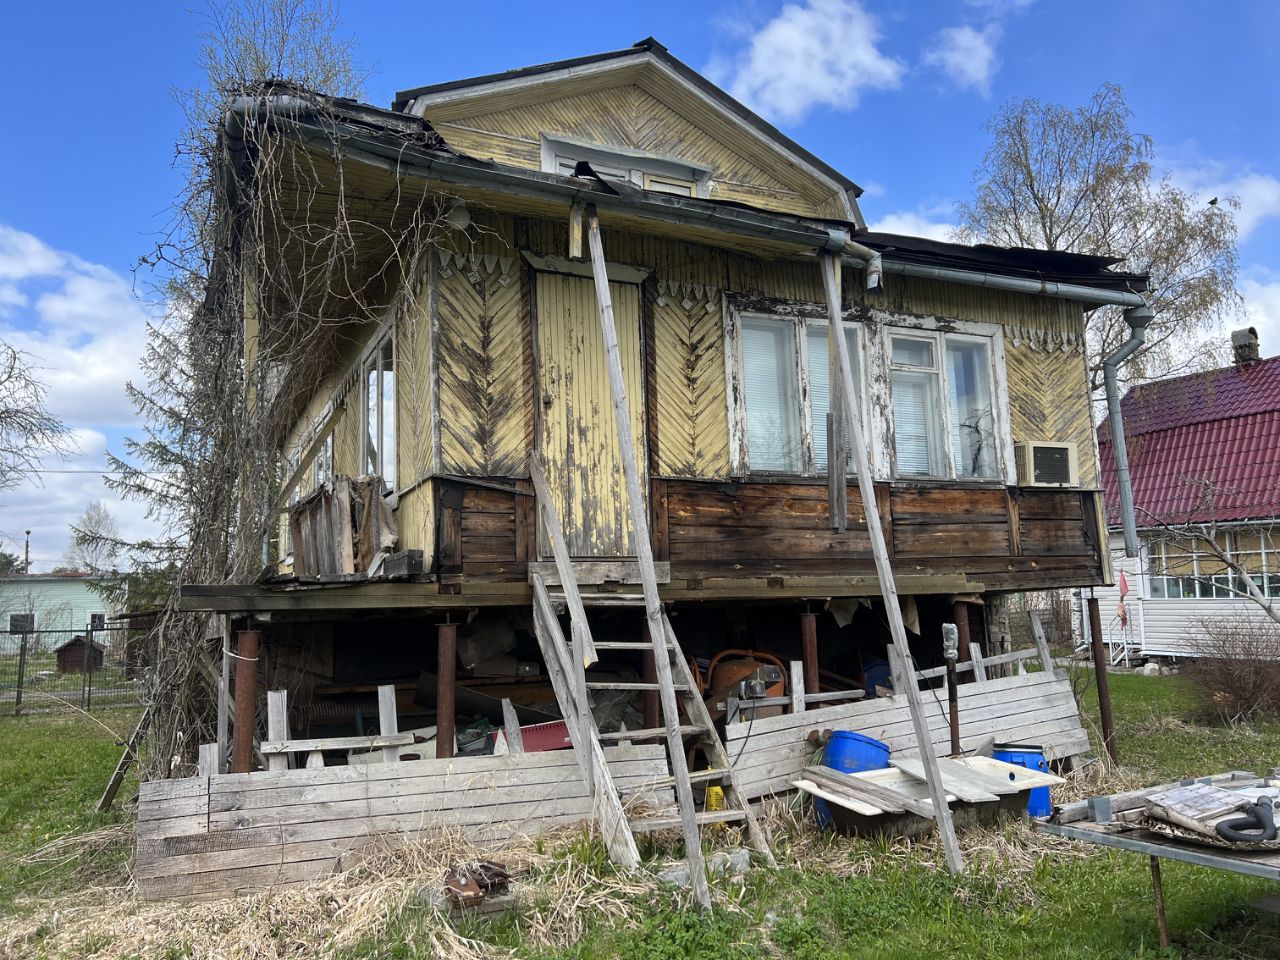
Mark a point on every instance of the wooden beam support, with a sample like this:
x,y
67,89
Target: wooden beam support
x,y
809,650
246,695
277,727
830,266
446,677
1101,662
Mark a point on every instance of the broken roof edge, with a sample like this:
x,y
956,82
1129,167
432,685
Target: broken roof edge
x,y
649,46
403,144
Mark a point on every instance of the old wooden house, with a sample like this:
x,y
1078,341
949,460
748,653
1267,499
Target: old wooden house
x,y
416,553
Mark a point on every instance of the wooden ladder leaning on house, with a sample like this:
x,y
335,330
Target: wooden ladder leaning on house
x,y
686,720
667,657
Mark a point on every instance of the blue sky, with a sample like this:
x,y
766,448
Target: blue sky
x,y
895,95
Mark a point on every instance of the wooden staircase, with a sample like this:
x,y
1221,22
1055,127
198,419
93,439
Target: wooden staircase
x,y
686,722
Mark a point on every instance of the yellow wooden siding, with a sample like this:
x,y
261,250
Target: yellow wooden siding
x,y
627,116
415,388
486,399
692,408
1049,400
579,441
416,521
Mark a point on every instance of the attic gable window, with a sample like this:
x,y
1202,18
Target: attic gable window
x,y
651,172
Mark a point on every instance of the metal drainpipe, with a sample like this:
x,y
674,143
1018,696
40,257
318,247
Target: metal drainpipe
x,y
1137,318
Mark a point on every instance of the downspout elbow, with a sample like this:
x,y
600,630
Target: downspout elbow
x,y
871,258
1137,318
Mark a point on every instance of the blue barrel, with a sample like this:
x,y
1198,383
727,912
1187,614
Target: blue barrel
x,y
849,752
1032,758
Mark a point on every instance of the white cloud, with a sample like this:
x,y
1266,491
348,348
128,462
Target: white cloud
x,y
913,224
87,331
80,320
1258,193
1261,290
47,509
814,53
967,56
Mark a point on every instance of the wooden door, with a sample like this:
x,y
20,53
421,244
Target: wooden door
x,y
578,436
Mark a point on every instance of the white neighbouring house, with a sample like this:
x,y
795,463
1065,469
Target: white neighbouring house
x,y
56,605
1204,456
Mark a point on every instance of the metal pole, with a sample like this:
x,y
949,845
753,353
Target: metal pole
x,y
650,700
1100,663
960,614
247,645
22,673
88,670
950,650
1157,887
809,650
446,677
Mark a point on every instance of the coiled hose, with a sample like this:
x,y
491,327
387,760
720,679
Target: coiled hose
x,y
1257,824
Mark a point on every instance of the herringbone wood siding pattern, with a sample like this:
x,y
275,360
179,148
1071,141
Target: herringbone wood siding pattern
x,y
1049,400
692,419
486,397
627,116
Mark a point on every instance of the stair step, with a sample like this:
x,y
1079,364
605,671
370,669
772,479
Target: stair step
x,y
669,823
648,733
696,776
627,645
615,685
604,599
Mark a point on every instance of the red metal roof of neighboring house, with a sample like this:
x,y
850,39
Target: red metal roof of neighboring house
x,y
1202,447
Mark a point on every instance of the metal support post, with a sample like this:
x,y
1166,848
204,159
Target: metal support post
x,y
1100,663
446,678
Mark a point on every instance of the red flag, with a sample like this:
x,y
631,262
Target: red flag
x,y
1124,587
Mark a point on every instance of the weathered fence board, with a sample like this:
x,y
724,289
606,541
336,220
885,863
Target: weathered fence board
x,y
1039,708
205,837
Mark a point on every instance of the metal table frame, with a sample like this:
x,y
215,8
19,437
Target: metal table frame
x,y
1167,849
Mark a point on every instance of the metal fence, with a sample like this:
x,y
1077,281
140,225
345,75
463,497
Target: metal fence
x,y
51,670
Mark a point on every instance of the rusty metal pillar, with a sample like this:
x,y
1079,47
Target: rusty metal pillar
x,y
652,706
446,678
809,650
248,643
1100,664
960,617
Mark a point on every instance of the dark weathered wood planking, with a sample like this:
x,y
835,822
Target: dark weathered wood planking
x,y
1003,538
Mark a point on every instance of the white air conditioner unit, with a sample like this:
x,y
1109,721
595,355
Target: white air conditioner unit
x,y
1043,464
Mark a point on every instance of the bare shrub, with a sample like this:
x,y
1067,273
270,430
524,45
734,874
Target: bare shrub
x,y
1237,668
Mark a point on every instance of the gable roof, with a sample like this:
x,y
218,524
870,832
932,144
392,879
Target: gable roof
x,y
1202,447
646,50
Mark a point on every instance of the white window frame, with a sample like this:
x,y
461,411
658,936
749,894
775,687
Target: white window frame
x,y
799,322
1207,587
560,155
939,333
368,361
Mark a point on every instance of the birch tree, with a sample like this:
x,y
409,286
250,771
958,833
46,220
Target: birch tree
x,y
1080,180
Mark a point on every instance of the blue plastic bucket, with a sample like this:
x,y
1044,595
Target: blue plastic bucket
x,y
1032,758
849,752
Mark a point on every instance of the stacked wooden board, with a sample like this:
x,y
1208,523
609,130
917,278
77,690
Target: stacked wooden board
x,y
887,800
208,837
770,753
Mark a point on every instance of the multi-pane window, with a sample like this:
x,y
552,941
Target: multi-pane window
x,y
786,431
322,466
379,413
1193,569
943,415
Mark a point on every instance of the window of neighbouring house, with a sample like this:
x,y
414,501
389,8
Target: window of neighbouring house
x,y
22,623
378,382
785,378
1186,569
944,421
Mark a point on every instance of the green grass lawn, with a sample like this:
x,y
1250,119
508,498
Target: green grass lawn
x,y
833,899
53,769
